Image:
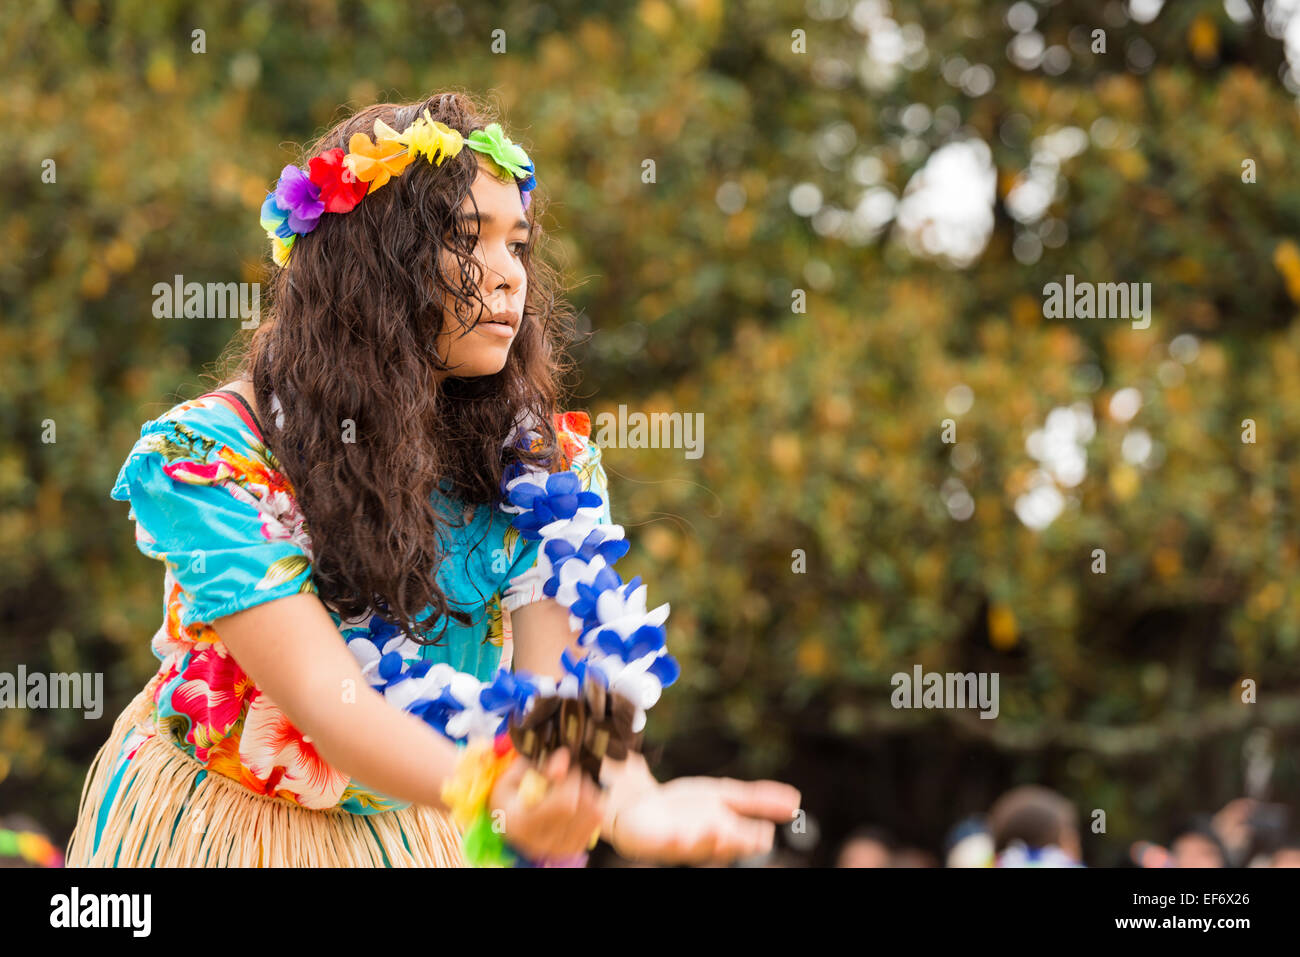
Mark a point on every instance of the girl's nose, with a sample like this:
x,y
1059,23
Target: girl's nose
x,y
508,269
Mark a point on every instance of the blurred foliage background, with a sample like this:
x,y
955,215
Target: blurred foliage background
x,y
912,174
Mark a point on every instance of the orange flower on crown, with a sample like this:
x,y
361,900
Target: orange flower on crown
x,y
376,163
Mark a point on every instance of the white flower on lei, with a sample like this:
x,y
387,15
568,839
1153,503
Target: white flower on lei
x,y
368,655
633,680
625,613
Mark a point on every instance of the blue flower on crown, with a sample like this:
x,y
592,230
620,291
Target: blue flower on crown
x,y
274,219
531,182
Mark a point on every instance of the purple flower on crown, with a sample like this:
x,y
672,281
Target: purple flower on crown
x,y
559,500
300,198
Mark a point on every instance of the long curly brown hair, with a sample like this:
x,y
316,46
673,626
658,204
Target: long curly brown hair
x,y
348,335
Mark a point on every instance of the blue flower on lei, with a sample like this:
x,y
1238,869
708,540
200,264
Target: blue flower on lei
x,y
558,500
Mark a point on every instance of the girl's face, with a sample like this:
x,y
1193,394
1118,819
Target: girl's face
x,y
502,236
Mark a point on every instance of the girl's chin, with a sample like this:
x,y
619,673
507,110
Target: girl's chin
x,y
483,362
486,368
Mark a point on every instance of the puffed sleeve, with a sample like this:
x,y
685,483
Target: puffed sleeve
x,y
208,503
525,579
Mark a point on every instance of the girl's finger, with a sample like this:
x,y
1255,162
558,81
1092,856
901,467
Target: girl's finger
x,y
771,800
759,838
558,765
744,838
584,817
709,847
592,809
564,803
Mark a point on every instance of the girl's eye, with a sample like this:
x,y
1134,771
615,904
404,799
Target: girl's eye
x,y
522,248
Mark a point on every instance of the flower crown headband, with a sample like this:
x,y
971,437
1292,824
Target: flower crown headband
x,y
336,181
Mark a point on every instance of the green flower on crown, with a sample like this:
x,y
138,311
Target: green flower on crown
x,y
506,154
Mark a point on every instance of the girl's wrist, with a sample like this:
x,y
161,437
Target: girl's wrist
x,y
627,780
468,793
627,777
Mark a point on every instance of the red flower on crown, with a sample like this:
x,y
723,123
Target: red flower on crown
x,y
340,190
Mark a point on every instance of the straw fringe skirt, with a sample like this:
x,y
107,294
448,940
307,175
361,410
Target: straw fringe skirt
x,y
162,815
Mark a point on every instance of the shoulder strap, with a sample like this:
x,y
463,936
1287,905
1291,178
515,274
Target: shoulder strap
x,y
242,409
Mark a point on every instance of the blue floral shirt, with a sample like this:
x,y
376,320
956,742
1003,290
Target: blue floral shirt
x,y
210,502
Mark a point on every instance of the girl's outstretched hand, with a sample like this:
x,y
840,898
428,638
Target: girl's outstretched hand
x,y
701,820
558,823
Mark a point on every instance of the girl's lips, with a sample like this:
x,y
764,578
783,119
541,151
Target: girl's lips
x,y
497,329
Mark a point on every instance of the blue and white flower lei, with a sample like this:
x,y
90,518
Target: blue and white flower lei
x,y
625,643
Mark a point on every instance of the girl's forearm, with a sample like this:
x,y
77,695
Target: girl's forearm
x,y
389,751
293,652
541,633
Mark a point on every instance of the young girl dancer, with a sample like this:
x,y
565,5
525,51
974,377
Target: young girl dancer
x,y
380,510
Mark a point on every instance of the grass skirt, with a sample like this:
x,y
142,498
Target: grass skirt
x,y
167,812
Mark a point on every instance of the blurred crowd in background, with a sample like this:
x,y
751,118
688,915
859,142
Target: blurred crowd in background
x,y
1032,826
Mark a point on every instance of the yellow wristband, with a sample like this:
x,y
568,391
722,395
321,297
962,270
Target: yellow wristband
x,y
467,791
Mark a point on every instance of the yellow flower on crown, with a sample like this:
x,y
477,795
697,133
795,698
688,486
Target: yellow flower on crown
x,y
427,137
280,250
